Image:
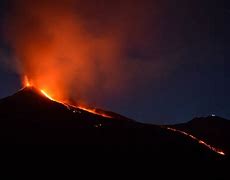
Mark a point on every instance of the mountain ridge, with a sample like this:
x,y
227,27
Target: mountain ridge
x,y
214,129
28,117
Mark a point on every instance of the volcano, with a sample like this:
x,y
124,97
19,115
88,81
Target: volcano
x,y
31,117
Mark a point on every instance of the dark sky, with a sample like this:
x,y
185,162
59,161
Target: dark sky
x,y
187,42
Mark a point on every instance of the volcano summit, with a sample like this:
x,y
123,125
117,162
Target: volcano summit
x,y
30,117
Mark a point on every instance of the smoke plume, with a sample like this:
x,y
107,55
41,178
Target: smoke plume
x,y
77,50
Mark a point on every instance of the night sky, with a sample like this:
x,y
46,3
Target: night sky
x,y
181,51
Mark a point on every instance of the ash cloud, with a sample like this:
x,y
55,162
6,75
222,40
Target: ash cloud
x,y
77,50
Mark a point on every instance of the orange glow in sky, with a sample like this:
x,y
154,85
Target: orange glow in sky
x,y
26,82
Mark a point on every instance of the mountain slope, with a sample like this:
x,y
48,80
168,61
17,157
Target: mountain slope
x,y
28,117
215,130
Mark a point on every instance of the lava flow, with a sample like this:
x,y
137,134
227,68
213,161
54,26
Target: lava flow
x,y
94,111
216,150
28,84
48,96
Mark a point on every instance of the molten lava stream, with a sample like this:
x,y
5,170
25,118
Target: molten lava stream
x,y
27,83
48,96
90,110
94,111
216,150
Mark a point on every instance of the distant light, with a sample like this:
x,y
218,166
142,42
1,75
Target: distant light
x,y
98,125
213,115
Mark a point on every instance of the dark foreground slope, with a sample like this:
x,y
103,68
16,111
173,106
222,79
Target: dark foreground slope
x,y
28,117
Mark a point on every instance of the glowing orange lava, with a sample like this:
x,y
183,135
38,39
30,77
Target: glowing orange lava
x,y
94,111
216,150
27,82
90,110
46,94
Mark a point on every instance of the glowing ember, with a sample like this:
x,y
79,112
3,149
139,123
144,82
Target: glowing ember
x,y
216,150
